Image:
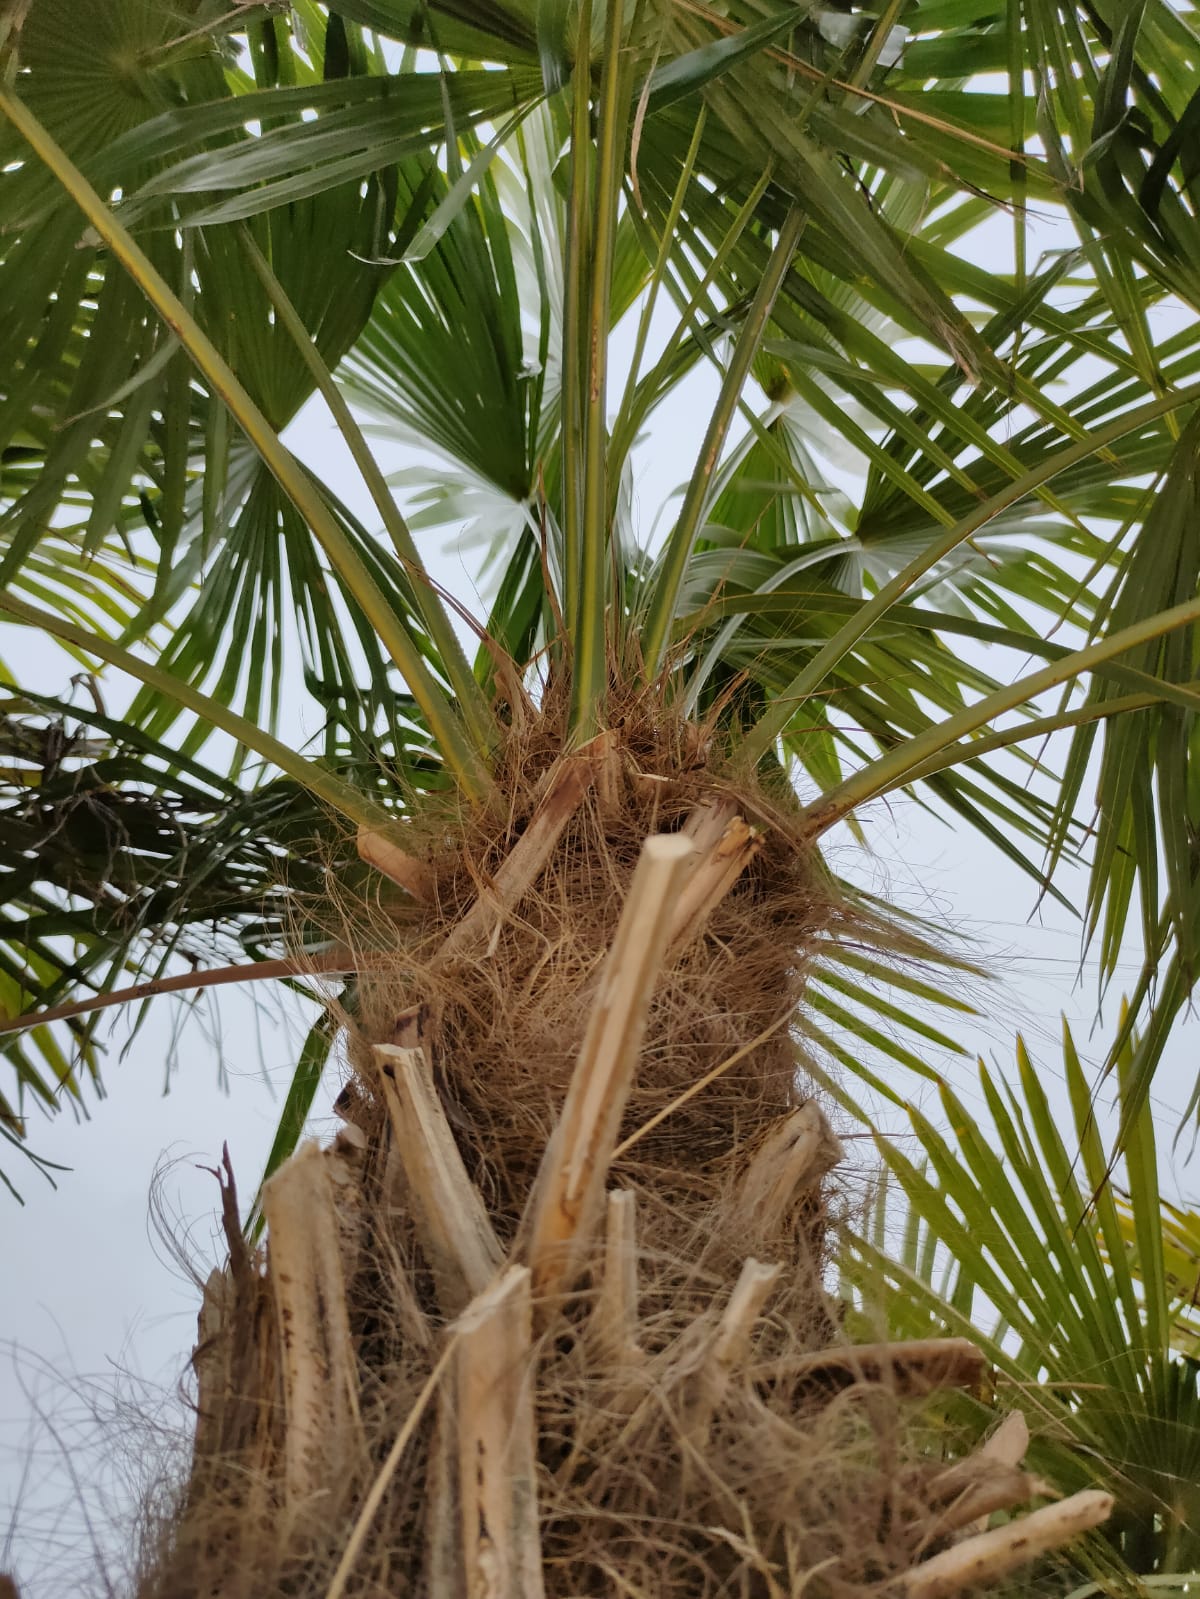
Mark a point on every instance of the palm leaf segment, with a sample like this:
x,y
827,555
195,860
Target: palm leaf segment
x,y
1078,1279
909,457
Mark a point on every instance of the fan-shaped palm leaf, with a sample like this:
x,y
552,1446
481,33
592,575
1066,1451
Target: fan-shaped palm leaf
x,y
1013,1233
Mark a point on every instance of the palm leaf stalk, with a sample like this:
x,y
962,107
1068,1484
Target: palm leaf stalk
x,y
577,1217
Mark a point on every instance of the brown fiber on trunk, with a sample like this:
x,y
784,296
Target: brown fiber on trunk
x,y
576,1339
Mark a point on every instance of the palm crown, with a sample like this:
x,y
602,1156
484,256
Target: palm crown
x,y
910,455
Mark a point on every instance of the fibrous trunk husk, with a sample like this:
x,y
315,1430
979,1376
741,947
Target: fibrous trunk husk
x,y
550,1316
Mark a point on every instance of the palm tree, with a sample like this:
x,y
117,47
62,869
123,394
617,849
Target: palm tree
x,y
550,1315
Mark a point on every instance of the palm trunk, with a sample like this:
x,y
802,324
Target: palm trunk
x,y
549,1316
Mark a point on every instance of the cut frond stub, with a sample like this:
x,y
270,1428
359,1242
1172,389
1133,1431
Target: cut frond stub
x,y
497,1483
990,1555
386,856
575,1167
453,1224
320,1370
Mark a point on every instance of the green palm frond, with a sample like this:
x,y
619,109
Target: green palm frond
x,y
1180,1265
125,859
1146,815
121,855
1014,1234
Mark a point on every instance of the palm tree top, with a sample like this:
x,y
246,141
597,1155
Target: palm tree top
x,y
936,529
